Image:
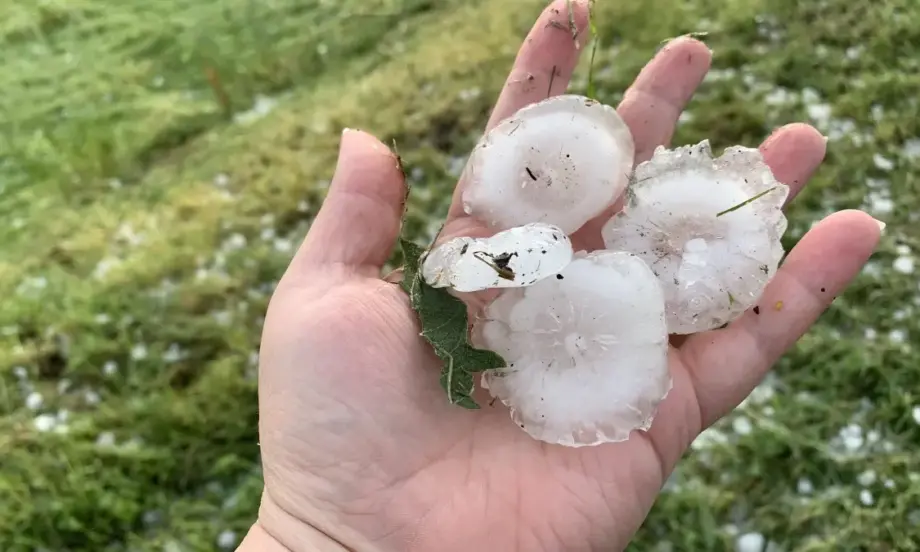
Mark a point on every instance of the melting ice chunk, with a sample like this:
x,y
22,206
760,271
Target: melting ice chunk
x,y
587,350
713,259
516,257
561,161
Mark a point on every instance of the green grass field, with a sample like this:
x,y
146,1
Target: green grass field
x,y
159,161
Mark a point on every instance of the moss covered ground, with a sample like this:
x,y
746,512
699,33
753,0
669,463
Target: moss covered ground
x,y
159,161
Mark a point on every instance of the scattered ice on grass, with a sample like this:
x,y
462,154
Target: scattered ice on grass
x,y
34,401
851,436
587,350
105,439
91,397
45,422
63,386
516,257
742,425
688,219
468,94
778,96
104,266
882,163
234,242
152,518
865,496
455,165
262,106
283,245
904,264
750,542
174,353
911,149
20,372
854,52
820,114
139,351
805,486
867,478
897,336
110,368
708,438
915,413
561,161
226,539
221,180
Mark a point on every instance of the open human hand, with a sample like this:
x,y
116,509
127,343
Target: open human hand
x,y
361,450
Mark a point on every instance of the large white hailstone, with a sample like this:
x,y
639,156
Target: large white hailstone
x,y
516,257
587,351
687,217
561,161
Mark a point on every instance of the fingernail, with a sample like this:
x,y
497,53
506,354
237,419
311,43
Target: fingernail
x,y
881,225
346,129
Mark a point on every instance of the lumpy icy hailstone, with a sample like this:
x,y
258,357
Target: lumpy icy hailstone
x,y
562,161
584,335
710,229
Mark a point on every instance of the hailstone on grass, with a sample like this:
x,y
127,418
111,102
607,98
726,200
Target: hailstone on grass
x,y
709,228
519,256
586,350
561,161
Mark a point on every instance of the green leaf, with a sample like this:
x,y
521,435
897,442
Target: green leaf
x,y
444,325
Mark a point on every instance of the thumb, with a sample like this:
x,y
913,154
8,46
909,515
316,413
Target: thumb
x,y
357,226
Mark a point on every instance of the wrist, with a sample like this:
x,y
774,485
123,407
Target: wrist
x,y
260,540
277,531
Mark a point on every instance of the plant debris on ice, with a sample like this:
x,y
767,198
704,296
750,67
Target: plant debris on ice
x,y
575,344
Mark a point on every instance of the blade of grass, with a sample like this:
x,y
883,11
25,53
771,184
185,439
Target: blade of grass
x,y
745,202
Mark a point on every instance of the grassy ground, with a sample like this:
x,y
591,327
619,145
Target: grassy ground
x,y
160,160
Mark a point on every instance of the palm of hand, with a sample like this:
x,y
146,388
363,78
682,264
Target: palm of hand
x,y
385,456
357,437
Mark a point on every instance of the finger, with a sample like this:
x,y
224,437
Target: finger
x,y
727,364
546,59
358,224
543,66
794,152
651,107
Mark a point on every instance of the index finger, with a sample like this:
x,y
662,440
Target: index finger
x,y
543,67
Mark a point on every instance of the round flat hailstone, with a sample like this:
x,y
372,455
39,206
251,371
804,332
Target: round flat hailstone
x,y
688,219
516,257
587,351
561,161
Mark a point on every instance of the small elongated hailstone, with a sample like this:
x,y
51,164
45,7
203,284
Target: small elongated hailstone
x,y
561,161
516,257
586,351
713,261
